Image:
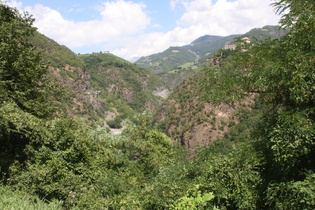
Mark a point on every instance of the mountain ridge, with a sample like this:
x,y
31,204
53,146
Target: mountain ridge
x,y
163,63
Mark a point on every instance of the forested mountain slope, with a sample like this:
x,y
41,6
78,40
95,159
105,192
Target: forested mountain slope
x,y
177,63
99,86
177,56
191,120
51,160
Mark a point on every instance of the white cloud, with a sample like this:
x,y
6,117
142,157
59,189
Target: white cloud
x,y
150,43
174,3
121,24
126,17
15,4
203,17
224,17
118,18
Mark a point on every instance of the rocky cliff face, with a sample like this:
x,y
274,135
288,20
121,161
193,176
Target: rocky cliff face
x,y
76,82
96,85
192,122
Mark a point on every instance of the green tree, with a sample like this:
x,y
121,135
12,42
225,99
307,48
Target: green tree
x,y
281,73
149,148
22,73
290,146
26,93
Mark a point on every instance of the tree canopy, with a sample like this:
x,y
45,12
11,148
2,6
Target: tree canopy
x,y
21,69
266,162
281,74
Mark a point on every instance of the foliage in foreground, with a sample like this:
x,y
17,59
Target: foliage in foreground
x,y
70,163
20,200
85,167
281,73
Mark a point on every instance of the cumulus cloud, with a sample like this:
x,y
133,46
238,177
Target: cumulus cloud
x,y
121,25
118,18
202,17
174,3
14,4
150,43
226,17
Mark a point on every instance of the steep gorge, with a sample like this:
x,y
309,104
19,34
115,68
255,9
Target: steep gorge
x,y
101,87
191,121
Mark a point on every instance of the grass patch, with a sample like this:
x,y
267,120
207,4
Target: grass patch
x,y
18,200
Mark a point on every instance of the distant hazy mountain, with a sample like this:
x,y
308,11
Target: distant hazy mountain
x,y
209,44
182,59
176,56
168,59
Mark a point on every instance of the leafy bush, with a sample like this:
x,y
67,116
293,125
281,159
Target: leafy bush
x,y
292,195
194,200
72,164
231,177
20,200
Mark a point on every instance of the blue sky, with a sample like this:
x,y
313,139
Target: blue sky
x,y
135,28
